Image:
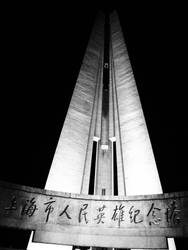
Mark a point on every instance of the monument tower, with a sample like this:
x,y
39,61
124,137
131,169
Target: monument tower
x,y
104,147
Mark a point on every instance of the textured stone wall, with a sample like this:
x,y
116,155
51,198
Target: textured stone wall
x,y
67,168
105,221
136,162
138,159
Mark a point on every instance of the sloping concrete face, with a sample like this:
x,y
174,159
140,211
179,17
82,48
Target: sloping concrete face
x,y
68,164
136,157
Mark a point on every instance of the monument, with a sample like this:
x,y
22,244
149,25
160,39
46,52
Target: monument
x,y
104,147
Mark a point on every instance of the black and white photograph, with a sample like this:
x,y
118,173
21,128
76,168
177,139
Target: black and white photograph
x,y
94,105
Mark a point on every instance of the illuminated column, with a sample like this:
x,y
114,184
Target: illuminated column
x,y
104,147
135,153
73,154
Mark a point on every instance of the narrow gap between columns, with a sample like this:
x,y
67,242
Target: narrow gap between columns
x,y
115,177
93,167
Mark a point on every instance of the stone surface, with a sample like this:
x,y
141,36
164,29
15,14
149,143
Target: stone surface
x,y
75,142
102,240
95,217
135,154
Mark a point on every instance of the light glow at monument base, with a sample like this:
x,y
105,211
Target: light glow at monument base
x,y
39,246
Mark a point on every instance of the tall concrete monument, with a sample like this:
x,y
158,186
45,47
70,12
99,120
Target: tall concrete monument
x,y
104,147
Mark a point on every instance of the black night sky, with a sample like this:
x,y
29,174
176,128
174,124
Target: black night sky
x,y
42,51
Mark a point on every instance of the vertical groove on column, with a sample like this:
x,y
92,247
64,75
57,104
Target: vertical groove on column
x,y
93,126
120,164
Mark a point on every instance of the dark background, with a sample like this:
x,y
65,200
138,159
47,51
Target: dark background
x,y
42,50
